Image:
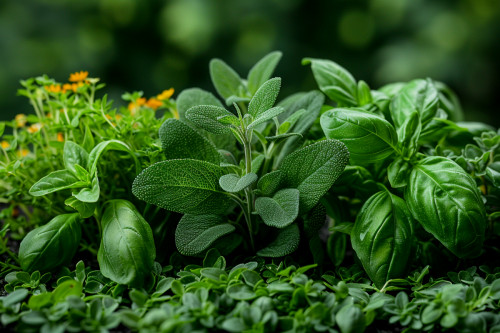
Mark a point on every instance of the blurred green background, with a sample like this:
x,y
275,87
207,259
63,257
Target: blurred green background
x,y
154,45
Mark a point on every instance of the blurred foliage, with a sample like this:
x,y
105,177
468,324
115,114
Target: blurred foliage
x,y
153,45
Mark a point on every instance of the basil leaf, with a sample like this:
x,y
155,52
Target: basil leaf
x,y
265,97
51,245
98,150
446,201
313,170
194,97
398,172
56,181
233,183
127,249
196,233
89,194
225,80
206,117
86,209
74,154
184,186
285,243
280,210
382,237
262,71
368,137
334,80
179,140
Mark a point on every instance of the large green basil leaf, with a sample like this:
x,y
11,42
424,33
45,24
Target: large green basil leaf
x,y
262,71
179,140
265,97
446,201
368,137
193,97
382,237
184,186
285,243
280,210
313,169
86,209
74,154
225,80
196,233
127,249
89,194
334,80
56,181
51,245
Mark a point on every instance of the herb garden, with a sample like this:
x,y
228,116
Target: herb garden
x,y
342,209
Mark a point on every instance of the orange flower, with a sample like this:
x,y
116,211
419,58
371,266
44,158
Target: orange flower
x,y
132,106
21,120
4,144
118,117
53,88
154,103
60,137
78,76
166,94
34,128
72,86
23,152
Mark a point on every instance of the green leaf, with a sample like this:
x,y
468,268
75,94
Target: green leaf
x,y
225,80
265,97
382,237
56,181
351,319
285,243
408,135
98,150
51,245
368,137
88,140
266,115
262,71
206,117
398,172
194,97
233,183
280,210
74,154
184,186
240,292
85,209
127,249
2,128
91,194
179,140
282,137
313,170
446,201
65,289
196,233
314,220
333,80
364,93
270,182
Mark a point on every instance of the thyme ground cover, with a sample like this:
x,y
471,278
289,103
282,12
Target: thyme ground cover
x,y
346,209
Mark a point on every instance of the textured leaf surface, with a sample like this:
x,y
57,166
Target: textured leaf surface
x,y
334,80
368,137
382,237
194,97
179,140
196,233
55,181
280,210
226,81
270,182
265,97
74,154
262,71
285,243
233,183
313,170
267,115
184,186
447,202
314,220
127,249
50,245
205,117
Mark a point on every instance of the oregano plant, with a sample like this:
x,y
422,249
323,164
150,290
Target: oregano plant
x,y
244,173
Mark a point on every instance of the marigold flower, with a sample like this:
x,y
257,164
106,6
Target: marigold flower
x,y
166,94
53,88
21,120
78,76
34,128
4,144
154,103
60,137
132,106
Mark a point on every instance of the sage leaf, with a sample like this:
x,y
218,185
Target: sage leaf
x,y
194,97
74,154
334,80
280,210
179,140
266,115
368,137
56,181
262,71
184,186
270,182
313,169
225,80
285,243
446,201
196,233
51,245
206,117
382,237
314,220
127,249
265,97
233,183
